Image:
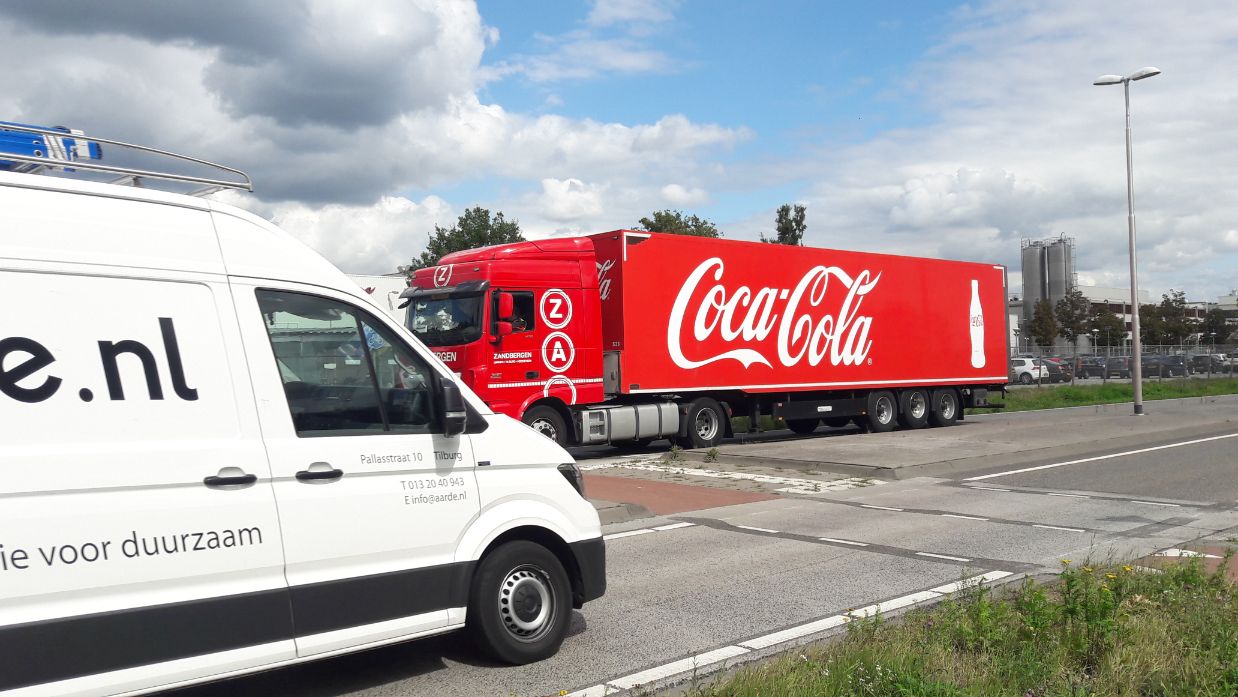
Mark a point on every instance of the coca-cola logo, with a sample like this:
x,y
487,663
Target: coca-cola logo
x,y
604,282
806,330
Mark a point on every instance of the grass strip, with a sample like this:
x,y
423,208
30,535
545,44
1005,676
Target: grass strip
x,y
1102,632
1030,398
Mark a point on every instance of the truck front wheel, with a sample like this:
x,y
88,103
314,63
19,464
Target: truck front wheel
x,y
548,422
705,424
882,411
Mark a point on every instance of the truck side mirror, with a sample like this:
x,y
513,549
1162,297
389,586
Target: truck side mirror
x,y
502,329
507,306
455,417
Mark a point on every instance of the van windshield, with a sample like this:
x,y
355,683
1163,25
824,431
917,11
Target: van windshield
x,y
446,320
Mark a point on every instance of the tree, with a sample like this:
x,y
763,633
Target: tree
x,y
1072,313
674,223
1174,325
472,230
1213,328
1151,326
789,225
1043,326
1110,329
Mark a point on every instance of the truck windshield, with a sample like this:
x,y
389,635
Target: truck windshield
x,y
447,320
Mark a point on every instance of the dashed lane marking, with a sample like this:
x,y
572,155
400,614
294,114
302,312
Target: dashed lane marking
x,y
942,556
1057,527
645,531
1068,496
749,527
880,508
843,542
963,517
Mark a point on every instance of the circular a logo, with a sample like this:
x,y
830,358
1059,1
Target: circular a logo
x,y
555,308
558,353
442,276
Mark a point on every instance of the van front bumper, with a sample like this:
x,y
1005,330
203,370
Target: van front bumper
x,y
591,561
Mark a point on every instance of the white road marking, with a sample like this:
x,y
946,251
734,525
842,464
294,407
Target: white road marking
x,y
989,488
675,667
941,556
880,508
1070,496
788,485
694,663
749,527
1175,552
674,526
964,517
646,531
1102,457
1157,503
843,542
1057,527
629,533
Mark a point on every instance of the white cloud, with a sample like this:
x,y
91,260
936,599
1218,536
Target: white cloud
x,y
566,200
608,12
679,195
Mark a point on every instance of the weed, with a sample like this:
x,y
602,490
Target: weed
x,y
675,454
711,455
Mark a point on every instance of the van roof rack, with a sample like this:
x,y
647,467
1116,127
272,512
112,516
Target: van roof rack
x,y
32,149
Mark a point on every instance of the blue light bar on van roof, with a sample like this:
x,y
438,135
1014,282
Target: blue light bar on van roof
x,y
66,147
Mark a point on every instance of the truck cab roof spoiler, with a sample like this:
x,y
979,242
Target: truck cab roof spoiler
x,y
465,288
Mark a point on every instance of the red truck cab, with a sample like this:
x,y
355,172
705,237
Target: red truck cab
x,y
519,323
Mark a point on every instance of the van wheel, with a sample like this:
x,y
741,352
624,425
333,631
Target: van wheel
x,y
882,411
836,421
913,408
945,410
1025,378
705,424
520,603
548,422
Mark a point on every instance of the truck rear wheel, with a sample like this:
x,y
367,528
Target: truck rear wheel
x,y
913,408
705,424
803,426
945,410
882,411
520,603
548,422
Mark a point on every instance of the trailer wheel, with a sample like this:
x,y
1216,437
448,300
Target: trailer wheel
x,y
705,424
520,603
803,426
913,408
882,411
548,422
836,421
945,409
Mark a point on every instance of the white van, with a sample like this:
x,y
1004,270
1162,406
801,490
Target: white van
x,y
226,458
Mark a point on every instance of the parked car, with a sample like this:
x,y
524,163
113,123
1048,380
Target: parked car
x,y
1118,367
1027,370
1057,370
1176,366
1209,363
1089,367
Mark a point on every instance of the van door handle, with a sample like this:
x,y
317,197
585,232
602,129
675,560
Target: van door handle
x,y
230,478
320,472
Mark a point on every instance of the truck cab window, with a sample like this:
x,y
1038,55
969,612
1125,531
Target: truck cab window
x,y
343,372
524,313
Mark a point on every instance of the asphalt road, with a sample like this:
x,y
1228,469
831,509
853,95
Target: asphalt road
x,y
726,580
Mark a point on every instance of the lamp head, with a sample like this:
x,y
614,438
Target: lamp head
x,y
1108,80
1144,72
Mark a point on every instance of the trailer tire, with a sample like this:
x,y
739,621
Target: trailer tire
x,y
913,408
882,411
547,421
704,423
803,426
945,411
836,421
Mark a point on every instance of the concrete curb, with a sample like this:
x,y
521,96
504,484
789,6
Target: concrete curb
x,y
611,512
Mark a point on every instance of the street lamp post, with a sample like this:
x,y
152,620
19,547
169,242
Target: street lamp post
x,y
1136,358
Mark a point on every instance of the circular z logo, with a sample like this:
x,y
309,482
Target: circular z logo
x,y
442,276
555,308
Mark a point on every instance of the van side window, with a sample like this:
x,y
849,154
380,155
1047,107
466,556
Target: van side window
x,y
343,372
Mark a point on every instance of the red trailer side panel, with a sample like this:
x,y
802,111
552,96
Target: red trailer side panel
x,y
698,314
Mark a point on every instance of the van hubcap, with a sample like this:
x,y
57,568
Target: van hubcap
x,y
526,602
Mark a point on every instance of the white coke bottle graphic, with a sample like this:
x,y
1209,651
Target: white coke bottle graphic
x,y
977,327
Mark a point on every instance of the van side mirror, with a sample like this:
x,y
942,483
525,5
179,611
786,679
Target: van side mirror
x,y
507,306
455,416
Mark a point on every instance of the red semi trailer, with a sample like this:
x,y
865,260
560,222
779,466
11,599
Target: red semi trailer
x,y
629,336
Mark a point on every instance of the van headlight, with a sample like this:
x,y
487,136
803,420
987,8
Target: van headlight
x,y
571,472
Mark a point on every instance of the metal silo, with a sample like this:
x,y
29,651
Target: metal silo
x,y
1059,268
1033,276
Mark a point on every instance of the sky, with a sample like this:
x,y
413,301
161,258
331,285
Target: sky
x,y
926,128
